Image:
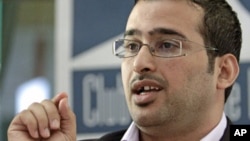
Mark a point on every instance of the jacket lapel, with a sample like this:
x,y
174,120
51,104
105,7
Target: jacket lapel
x,y
226,135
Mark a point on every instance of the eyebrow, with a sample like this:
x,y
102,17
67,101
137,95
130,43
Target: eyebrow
x,y
132,32
160,30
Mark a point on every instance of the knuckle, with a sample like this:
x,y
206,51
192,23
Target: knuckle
x,y
45,101
38,113
33,105
27,117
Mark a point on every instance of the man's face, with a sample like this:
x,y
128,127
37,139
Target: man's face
x,y
165,91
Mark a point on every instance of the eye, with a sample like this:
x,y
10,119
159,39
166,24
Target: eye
x,y
131,46
168,46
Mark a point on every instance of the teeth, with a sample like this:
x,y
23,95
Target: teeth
x,y
148,88
154,88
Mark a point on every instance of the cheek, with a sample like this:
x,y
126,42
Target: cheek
x,y
126,75
178,72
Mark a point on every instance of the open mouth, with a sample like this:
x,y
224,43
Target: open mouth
x,y
146,91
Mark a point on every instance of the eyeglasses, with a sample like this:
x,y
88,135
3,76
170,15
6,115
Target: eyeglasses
x,y
169,48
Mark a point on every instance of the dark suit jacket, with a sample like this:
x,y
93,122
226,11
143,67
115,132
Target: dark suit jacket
x,y
117,136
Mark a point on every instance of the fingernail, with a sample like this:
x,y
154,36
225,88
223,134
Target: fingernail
x,y
55,124
46,132
36,134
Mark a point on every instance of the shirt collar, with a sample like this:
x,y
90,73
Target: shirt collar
x,y
132,134
218,131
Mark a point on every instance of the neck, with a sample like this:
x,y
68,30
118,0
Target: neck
x,y
195,130
194,127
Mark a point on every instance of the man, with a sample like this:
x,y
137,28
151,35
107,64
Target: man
x,y
180,60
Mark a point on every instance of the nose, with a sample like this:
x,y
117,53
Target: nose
x,y
144,61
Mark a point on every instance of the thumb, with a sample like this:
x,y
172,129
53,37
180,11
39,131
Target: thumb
x,y
64,109
68,120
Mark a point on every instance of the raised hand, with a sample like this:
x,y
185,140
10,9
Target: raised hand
x,y
50,120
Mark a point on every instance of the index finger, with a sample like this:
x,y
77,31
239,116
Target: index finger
x,y
59,97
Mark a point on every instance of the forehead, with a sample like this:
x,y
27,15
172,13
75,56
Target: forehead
x,y
180,16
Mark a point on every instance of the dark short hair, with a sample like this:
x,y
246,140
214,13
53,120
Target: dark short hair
x,y
220,29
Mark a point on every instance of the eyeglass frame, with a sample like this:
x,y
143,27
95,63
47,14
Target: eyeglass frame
x,y
152,50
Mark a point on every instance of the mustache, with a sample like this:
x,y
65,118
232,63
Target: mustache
x,y
141,77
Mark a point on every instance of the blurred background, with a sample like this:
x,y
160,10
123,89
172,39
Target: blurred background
x,y
52,46
27,51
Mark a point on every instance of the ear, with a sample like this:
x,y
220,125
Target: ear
x,y
228,71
